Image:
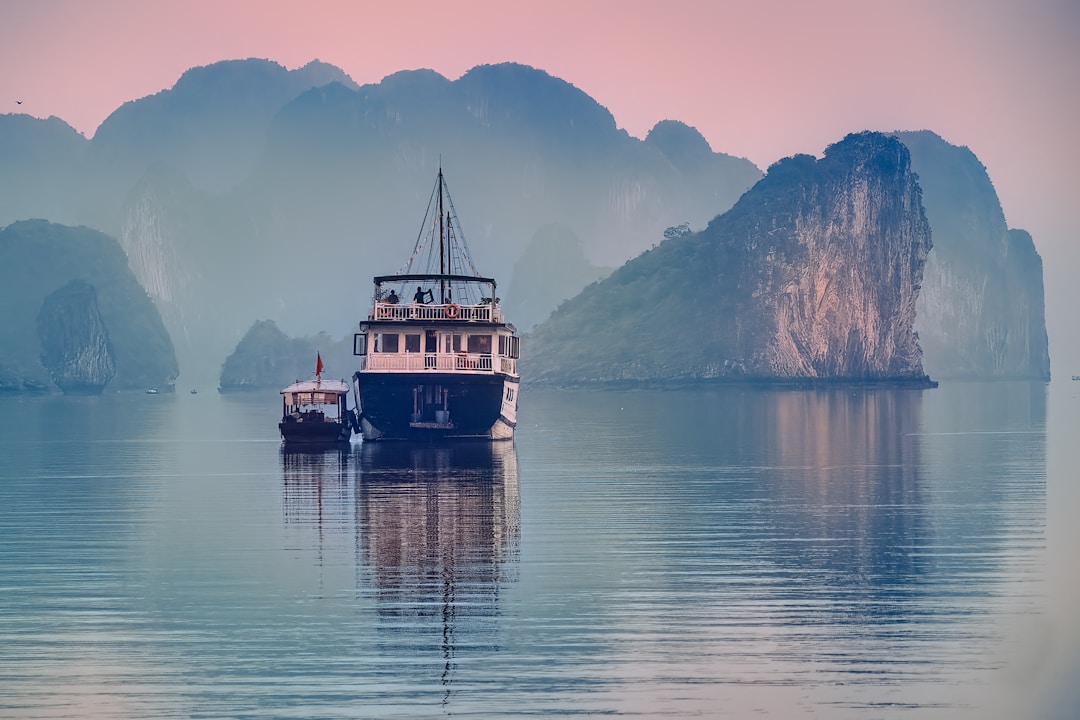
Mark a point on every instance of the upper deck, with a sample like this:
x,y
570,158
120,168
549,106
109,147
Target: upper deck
x,y
438,297
432,312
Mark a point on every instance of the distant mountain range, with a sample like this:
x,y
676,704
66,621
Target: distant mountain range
x,y
249,191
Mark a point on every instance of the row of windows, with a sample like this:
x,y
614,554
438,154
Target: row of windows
x,y
434,342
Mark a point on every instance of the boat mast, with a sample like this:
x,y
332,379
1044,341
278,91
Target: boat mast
x,y
442,245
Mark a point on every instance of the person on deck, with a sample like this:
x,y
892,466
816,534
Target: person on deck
x,y
392,298
418,297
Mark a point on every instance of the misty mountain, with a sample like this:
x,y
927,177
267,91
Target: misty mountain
x,y
209,126
74,313
702,177
248,191
43,169
981,310
521,149
552,268
266,358
812,275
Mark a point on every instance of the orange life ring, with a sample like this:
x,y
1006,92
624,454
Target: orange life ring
x,y
452,311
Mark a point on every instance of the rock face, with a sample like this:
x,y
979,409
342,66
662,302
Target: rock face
x,y
813,275
45,269
74,342
981,311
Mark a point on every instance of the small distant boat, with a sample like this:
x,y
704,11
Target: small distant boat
x,y
1076,377
315,412
152,391
194,391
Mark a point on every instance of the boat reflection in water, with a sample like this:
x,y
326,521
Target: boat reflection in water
x,y
431,533
438,513
440,529
317,486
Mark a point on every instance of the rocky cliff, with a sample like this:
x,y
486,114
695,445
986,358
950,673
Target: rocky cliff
x,y
812,276
981,310
38,263
74,342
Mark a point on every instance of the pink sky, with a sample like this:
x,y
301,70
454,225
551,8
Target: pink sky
x,y
762,79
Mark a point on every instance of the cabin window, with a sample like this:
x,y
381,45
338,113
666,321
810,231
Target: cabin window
x,y
359,344
453,343
386,342
480,344
508,346
412,343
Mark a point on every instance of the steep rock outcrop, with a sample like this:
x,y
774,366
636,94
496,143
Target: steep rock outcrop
x,y
981,312
37,258
74,341
813,275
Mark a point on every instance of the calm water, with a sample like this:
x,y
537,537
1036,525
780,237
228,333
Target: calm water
x,y
727,553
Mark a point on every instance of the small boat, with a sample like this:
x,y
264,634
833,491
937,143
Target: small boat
x,y
152,391
194,391
315,412
445,364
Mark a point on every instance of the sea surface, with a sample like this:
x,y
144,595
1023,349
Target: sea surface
x,y
720,553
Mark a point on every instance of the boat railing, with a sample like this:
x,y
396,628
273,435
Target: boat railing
x,y
446,362
484,312
307,416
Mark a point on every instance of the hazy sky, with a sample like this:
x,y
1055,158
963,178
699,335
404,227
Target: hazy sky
x,y
758,78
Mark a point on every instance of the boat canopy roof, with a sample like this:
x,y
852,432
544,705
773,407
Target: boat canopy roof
x,y
327,387
429,277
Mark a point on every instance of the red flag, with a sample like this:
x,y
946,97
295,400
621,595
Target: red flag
x,y
318,364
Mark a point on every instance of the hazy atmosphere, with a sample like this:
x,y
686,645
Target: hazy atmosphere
x,y
795,286
758,80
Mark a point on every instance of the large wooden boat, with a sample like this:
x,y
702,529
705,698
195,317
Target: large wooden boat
x,y
437,357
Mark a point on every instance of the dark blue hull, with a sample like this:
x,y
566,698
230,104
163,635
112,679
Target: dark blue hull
x,y
429,405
